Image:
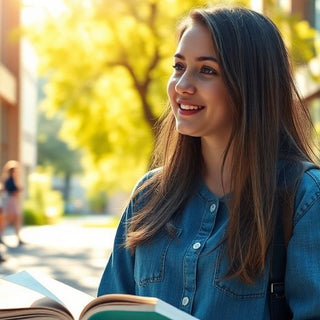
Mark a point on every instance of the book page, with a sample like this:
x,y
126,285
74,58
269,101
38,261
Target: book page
x,y
73,299
121,299
29,281
16,301
13,296
46,298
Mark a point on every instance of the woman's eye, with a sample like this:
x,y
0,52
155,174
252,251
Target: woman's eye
x,y
208,70
178,66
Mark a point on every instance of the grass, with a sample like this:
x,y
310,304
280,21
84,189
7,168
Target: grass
x,y
105,222
111,222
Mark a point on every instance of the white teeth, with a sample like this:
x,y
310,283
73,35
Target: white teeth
x,y
188,107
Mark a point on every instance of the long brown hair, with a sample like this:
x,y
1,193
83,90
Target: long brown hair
x,y
269,124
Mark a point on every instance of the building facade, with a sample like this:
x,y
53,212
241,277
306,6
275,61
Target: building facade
x,y
18,92
9,80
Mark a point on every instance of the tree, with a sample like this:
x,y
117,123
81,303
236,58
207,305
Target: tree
x,y
107,63
55,153
299,37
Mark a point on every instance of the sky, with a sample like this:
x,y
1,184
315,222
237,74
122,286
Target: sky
x,y
34,10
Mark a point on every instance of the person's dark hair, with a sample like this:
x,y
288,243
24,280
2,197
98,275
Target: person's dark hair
x,y
269,124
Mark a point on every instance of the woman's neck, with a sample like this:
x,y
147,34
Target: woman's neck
x,y
213,154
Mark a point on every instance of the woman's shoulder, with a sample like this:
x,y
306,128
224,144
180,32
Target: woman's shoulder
x,y
142,190
308,192
310,179
146,177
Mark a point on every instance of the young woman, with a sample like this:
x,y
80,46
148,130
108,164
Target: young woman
x,y
198,231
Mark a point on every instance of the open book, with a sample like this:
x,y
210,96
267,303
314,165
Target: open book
x,y
25,295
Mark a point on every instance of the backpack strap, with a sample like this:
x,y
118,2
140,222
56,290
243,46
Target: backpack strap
x,y
279,309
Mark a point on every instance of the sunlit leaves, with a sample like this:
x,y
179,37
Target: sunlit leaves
x,y
298,35
107,64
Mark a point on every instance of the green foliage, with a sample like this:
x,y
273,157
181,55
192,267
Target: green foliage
x,y
315,64
51,147
43,205
298,35
98,202
32,216
107,64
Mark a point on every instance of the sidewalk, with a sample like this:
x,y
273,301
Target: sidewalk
x,y
69,251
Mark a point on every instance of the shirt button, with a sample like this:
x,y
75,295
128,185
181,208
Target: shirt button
x,y
213,207
196,246
185,301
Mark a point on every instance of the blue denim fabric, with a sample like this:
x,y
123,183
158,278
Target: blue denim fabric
x,y
188,271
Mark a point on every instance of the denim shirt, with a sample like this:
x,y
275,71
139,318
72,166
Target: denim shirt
x,y
187,271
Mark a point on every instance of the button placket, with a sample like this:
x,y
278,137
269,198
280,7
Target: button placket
x,y
194,251
213,207
196,245
185,301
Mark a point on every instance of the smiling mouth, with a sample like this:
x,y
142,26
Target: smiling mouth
x,y
190,107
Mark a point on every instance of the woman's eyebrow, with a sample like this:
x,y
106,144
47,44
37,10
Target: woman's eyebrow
x,y
201,58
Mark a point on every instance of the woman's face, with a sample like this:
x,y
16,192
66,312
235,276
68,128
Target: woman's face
x,y
197,94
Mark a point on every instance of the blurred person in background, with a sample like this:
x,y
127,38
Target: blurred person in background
x,y
2,220
11,207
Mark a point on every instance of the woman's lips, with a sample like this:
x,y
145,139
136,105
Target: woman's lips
x,y
189,109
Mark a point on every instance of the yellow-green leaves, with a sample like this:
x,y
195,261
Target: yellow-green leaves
x,y
107,63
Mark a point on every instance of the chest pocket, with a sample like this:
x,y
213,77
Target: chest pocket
x,y
150,259
233,287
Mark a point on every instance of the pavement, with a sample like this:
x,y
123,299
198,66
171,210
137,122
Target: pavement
x,y
70,251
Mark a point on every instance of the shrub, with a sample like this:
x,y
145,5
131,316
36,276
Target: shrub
x,y
43,205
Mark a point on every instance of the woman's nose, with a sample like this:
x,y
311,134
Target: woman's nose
x,y
185,84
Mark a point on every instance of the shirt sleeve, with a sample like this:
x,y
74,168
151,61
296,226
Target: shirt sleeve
x,y
118,276
302,281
